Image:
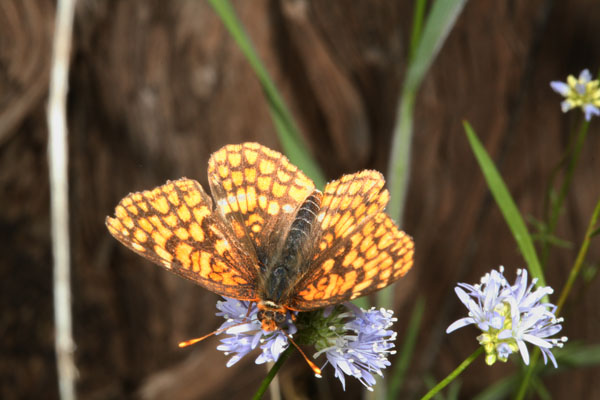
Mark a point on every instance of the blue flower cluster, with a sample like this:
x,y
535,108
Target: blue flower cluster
x,y
509,316
355,342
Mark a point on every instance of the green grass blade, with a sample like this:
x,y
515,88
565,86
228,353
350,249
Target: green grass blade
x,y
292,142
507,205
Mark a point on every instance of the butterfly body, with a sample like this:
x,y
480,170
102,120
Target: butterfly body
x,y
269,236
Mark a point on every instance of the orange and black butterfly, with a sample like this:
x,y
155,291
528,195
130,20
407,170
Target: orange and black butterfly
x,y
269,236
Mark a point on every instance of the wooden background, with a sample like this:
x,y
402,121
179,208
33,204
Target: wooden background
x,y
157,86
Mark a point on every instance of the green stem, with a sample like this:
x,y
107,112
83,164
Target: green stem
x,y
267,381
563,294
579,260
525,382
557,205
453,375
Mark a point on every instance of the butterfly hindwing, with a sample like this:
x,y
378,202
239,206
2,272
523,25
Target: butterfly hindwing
x,y
358,249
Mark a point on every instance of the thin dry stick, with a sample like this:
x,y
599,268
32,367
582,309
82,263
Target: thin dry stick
x,y
59,201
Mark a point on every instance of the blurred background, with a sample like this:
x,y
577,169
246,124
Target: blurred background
x,y
155,87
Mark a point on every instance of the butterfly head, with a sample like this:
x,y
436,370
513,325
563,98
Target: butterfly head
x,y
271,315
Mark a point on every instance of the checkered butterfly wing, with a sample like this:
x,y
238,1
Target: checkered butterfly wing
x,y
258,191
175,226
357,248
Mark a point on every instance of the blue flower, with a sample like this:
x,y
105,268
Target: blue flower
x,y
358,347
510,316
245,333
580,92
355,342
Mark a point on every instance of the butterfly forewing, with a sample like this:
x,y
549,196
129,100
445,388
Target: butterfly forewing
x,y
258,191
174,226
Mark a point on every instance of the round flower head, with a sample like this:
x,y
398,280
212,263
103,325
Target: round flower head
x,y
509,316
580,92
355,342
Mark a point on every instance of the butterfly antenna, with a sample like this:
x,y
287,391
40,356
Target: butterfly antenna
x,y
311,364
196,340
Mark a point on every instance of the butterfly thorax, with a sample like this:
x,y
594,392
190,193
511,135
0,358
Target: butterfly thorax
x,y
289,265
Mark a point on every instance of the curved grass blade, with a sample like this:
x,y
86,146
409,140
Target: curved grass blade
x,y
292,142
509,210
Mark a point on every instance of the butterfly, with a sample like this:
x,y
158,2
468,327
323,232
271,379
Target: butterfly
x,y
268,235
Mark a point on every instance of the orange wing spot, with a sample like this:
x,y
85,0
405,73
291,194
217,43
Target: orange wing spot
x,y
171,220
356,239
227,184
262,201
133,209
221,246
160,204
250,175
196,232
223,171
326,223
182,253
184,213
349,280
228,279
334,282
166,233
200,213
372,252
354,187
282,176
308,294
238,177
358,263
385,274
195,257
238,229
140,235
385,241
255,218
278,190
328,265
159,239
165,255
218,267
266,167
368,228
350,257
138,247
220,155
143,205
192,199
273,208
251,156
233,204
251,198
299,194
173,197
346,201
121,212
143,222
362,285
182,233
234,159
136,197
240,281
256,228
335,202
128,222
127,201
205,263
215,277
264,183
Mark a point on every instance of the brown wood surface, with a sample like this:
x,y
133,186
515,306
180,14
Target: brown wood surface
x,y
157,86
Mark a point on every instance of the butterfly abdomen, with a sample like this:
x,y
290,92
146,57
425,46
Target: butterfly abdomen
x,y
286,267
